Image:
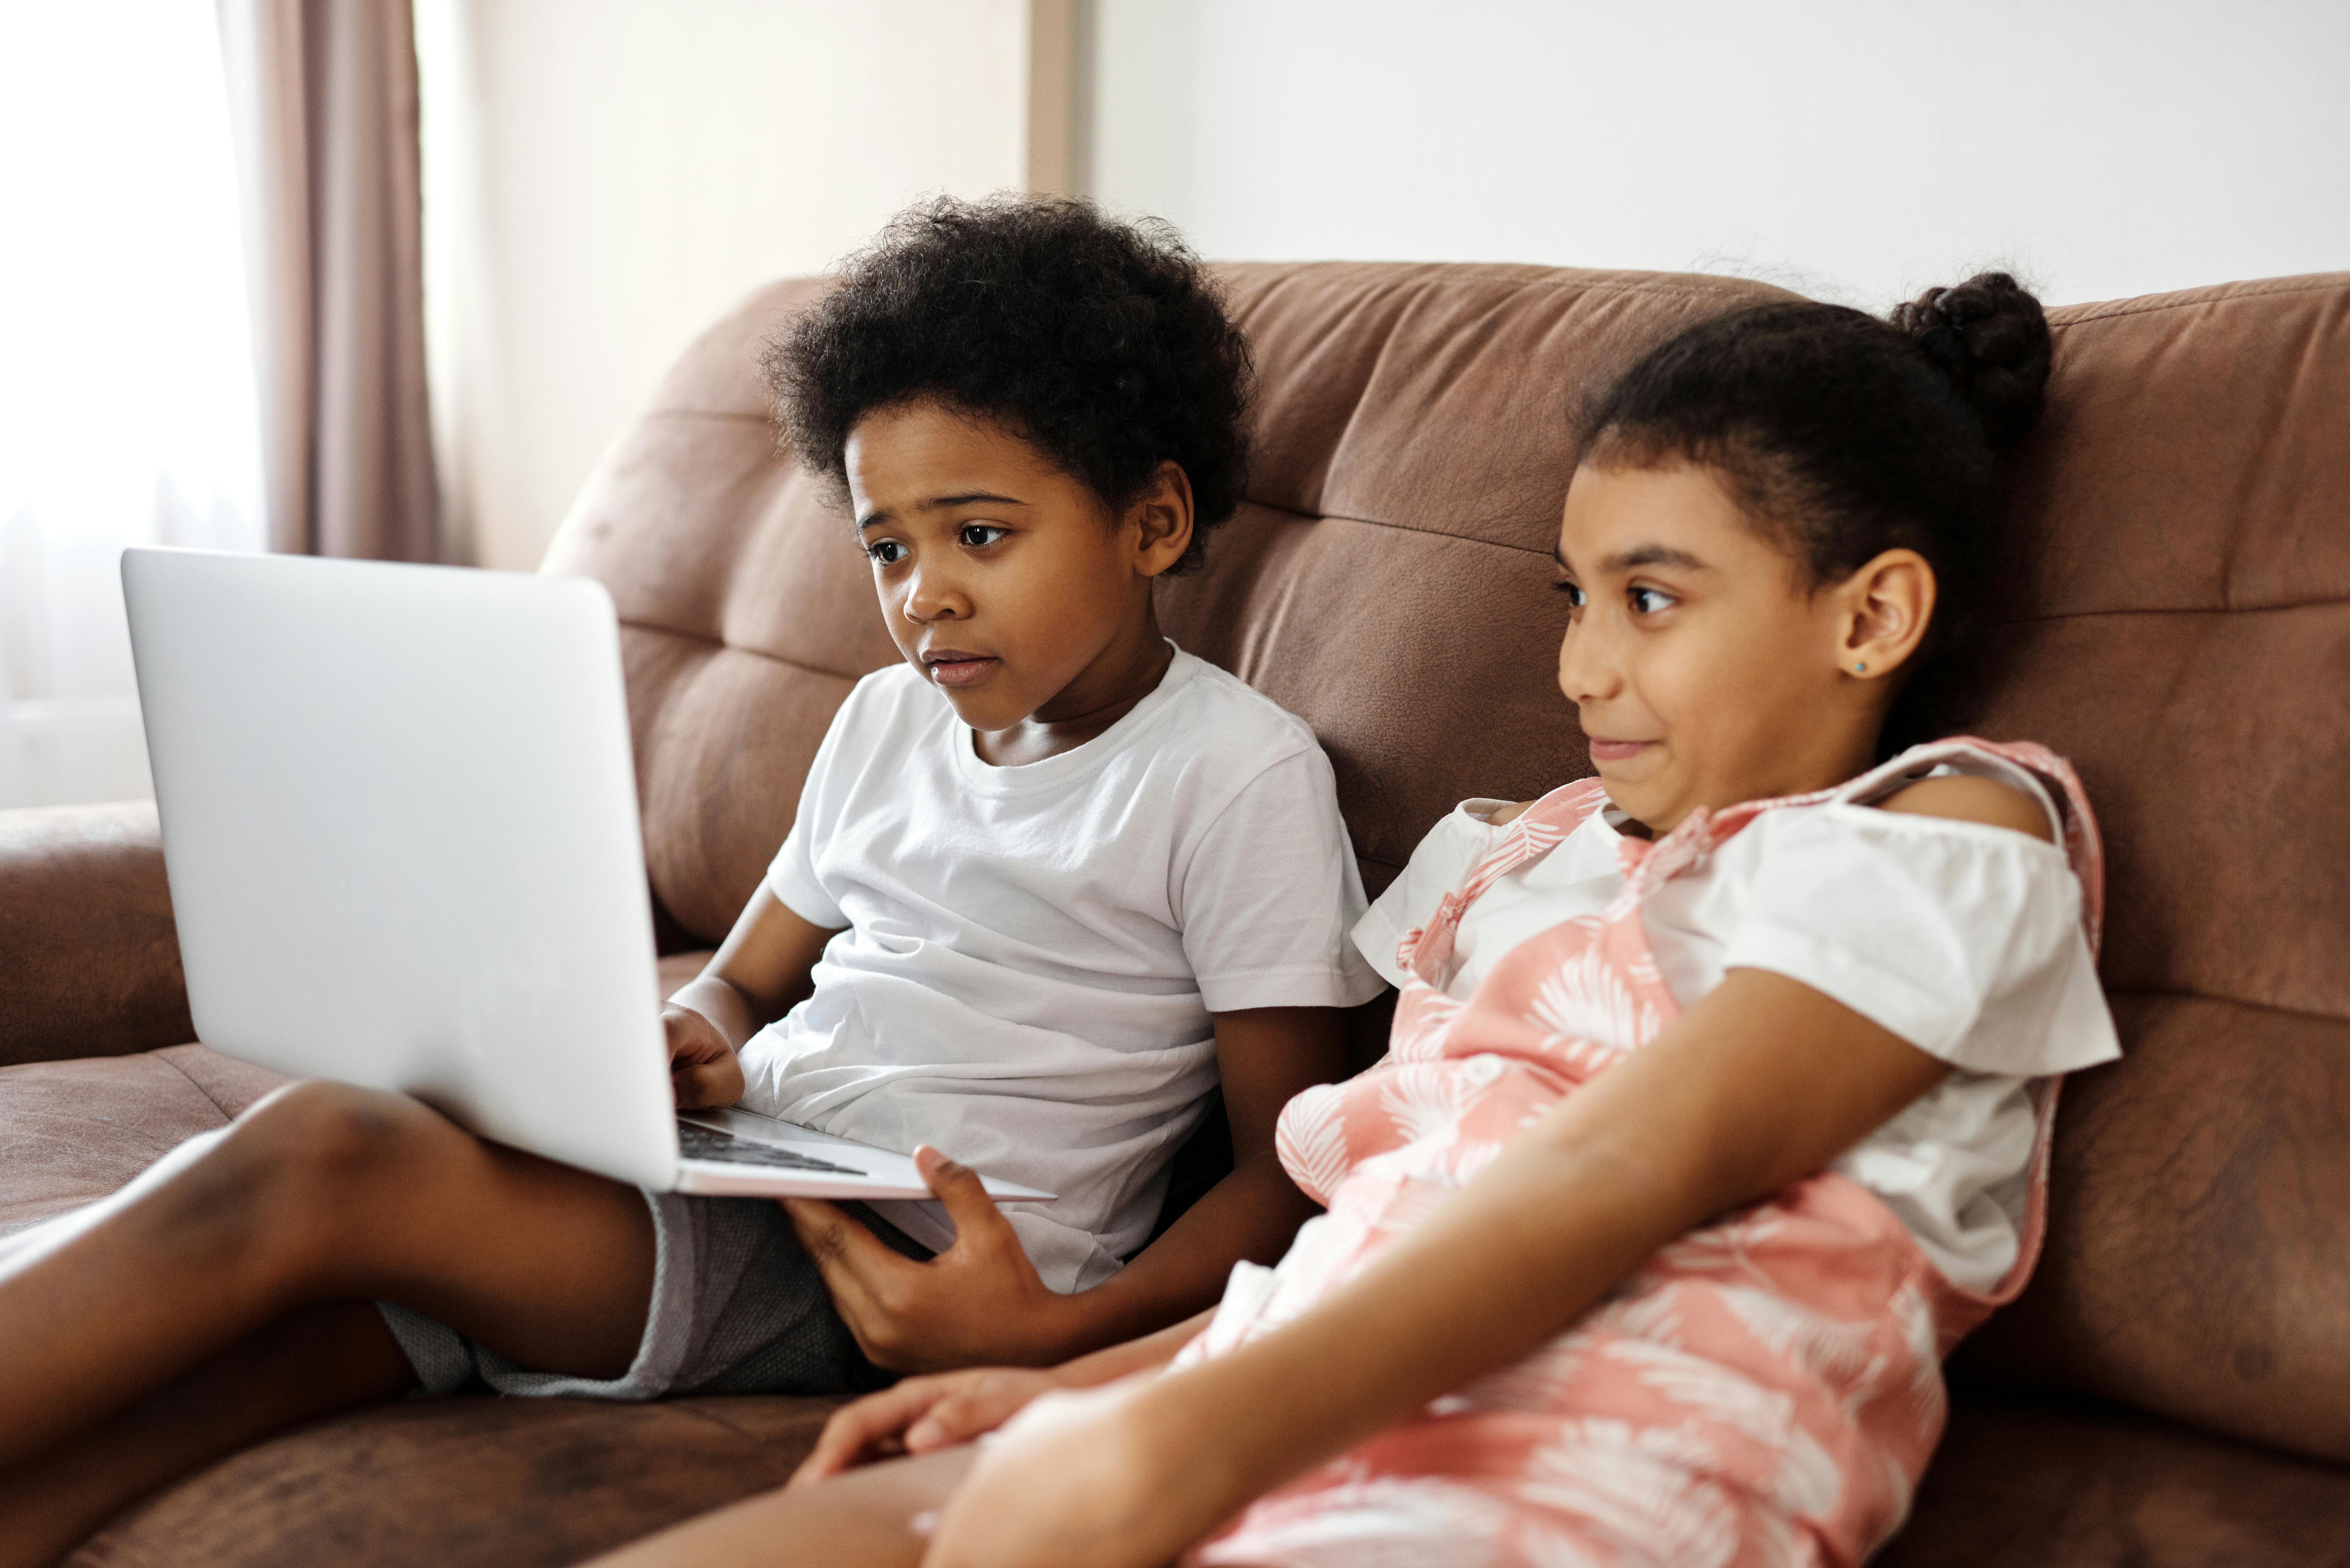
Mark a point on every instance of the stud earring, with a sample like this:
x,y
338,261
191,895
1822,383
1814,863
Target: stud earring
x,y
1860,669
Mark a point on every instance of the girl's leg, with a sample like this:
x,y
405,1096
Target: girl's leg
x,y
312,1362
320,1193
861,1520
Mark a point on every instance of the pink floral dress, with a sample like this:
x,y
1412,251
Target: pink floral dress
x,y
1768,1389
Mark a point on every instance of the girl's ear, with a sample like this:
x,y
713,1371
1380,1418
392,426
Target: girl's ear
x,y
1161,515
1882,612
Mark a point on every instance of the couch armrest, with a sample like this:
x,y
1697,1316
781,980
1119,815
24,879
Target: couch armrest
x,y
89,957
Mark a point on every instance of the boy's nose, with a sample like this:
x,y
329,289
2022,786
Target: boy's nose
x,y
931,597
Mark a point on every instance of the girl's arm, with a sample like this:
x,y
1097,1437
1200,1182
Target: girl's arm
x,y
1764,1081
757,973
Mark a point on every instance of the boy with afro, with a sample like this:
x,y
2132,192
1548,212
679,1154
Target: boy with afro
x,y
1052,882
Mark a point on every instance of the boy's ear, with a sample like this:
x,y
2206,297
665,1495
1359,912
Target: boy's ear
x,y
1882,613
1162,516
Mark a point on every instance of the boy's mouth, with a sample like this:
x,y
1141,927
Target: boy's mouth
x,y
954,667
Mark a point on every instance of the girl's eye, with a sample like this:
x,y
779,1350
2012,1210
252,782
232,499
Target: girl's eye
x,y
1648,601
1573,592
978,536
888,552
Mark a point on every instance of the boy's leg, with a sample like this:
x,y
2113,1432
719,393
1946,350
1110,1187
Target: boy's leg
x,y
312,1362
320,1193
861,1520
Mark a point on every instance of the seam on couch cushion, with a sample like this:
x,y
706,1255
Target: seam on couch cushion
x,y
2163,993
1400,527
720,642
207,1094
2176,610
2202,301
703,1412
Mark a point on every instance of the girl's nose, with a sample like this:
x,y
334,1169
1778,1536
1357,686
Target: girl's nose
x,y
1587,668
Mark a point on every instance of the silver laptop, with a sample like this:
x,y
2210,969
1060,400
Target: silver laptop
x,y
400,822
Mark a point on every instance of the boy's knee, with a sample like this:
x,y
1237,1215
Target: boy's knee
x,y
306,1149
330,1134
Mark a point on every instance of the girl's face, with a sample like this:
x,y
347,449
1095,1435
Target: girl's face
x,y
1005,581
1705,667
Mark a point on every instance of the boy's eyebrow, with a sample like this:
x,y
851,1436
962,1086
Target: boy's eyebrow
x,y
939,502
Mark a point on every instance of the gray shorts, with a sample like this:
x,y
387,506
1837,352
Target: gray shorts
x,y
738,1307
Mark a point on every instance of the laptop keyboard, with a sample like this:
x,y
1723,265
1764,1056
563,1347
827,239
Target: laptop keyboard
x,y
696,1142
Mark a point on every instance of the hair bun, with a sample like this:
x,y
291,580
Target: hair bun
x,y
1990,336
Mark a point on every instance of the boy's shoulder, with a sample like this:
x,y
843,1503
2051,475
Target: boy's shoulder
x,y
894,689
1222,715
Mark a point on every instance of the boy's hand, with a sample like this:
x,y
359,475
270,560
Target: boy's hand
x,y
702,1071
919,1416
979,1301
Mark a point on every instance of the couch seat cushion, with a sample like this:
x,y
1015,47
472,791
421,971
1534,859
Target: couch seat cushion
x,y
2029,1483
500,1483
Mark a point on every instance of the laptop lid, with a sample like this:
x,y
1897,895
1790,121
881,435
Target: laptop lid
x,y
399,822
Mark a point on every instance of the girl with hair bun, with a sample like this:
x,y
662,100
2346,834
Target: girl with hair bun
x,y
1717,1107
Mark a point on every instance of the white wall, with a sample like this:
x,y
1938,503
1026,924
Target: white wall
x,y
605,177
1858,149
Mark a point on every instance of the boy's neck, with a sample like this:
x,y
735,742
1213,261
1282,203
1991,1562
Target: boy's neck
x,y
1106,691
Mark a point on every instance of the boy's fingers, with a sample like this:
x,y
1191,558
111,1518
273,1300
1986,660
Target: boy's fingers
x,y
960,1189
853,1260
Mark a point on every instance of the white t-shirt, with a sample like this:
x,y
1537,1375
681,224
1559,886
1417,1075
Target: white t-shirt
x,y
1963,938
1031,953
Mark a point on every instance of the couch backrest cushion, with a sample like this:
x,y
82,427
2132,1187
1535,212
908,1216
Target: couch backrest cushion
x,y
2177,621
2180,627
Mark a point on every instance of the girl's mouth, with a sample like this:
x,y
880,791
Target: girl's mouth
x,y
1607,751
954,667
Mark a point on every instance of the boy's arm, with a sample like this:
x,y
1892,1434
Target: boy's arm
x,y
757,973
1264,1057
981,1302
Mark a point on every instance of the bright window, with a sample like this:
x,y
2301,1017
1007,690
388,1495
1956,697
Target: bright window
x,y
127,409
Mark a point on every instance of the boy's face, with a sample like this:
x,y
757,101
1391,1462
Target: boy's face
x,y
1005,581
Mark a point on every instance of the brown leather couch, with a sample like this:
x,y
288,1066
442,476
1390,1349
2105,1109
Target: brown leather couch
x,y
2175,1387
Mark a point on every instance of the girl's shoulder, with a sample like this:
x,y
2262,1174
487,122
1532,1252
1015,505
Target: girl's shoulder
x,y
1972,797
2017,785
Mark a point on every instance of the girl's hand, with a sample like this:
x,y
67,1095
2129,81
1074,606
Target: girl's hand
x,y
919,1416
1083,1479
981,1302
703,1069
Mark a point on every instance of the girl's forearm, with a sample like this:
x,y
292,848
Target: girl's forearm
x,y
1507,1264
1760,1084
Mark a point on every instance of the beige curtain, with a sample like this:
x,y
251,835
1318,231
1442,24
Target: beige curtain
x,y
324,94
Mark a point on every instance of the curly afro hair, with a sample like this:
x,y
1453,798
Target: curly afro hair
x,y
1104,344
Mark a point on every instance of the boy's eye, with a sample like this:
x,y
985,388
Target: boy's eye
x,y
888,552
1573,592
977,535
1648,601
